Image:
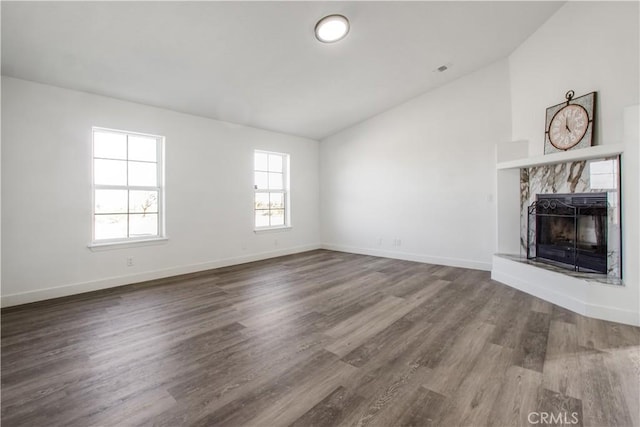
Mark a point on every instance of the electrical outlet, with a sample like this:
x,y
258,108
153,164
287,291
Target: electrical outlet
x,y
398,242
130,262
379,241
275,242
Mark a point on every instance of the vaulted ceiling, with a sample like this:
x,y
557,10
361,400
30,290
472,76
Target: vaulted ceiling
x,y
258,63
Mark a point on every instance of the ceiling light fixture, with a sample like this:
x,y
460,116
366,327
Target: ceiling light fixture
x,y
332,28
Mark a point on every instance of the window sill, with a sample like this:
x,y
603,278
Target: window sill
x,y
107,246
272,229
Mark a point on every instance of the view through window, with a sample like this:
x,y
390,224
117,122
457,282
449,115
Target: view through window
x,y
271,184
127,186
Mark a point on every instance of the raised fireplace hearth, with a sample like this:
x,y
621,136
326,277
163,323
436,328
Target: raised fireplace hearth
x,y
522,176
570,230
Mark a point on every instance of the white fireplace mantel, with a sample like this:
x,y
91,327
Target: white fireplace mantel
x,y
595,152
577,294
613,302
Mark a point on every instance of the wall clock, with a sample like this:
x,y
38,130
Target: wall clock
x,y
570,125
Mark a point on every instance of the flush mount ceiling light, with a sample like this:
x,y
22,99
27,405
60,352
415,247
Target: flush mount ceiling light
x,y
332,28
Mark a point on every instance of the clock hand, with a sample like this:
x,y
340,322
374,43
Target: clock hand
x,y
567,126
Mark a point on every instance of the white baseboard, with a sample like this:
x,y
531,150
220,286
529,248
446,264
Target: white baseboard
x,y
407,256
79,288
568,292
524,282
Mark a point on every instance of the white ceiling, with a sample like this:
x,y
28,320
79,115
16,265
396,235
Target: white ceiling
x,y
258,63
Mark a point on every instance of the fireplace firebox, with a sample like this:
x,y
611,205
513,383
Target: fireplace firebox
x,y
569,229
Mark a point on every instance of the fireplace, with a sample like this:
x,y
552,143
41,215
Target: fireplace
x,y
570,229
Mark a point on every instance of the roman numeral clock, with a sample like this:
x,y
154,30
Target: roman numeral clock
x,y
570,125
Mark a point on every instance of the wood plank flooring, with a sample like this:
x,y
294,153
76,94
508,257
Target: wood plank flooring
x,y
316,339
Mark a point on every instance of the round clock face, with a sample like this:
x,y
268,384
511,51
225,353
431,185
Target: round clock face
x,y
568,126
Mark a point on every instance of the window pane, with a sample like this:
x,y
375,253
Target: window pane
x,y
142,148
277,217
275,163
262,201
110,227
275,181
144,202
109,145
262,218
110,172
262,180
143,174
143,225
277,201
260,162
111,201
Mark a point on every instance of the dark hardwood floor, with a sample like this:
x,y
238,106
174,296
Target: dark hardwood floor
x,y
316,339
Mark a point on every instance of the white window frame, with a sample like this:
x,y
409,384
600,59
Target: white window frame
x,y
285,191
160,188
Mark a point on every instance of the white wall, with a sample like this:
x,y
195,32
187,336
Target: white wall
x,y
46,193
422,172
0,193
586,47
589,46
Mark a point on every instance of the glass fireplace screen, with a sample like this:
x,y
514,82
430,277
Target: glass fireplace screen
x,y
570,230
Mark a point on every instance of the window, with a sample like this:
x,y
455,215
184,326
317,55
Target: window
x,y
127,186
271,183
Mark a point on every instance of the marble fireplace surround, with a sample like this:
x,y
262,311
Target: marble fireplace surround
x,y
599,175
518,182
